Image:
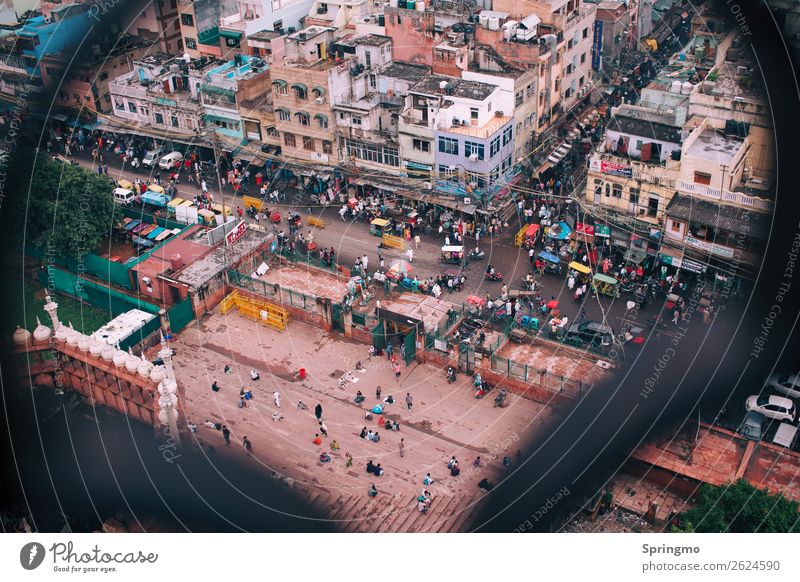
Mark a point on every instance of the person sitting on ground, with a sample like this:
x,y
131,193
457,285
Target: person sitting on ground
x,y
477,462
359,366
192,426
370,435
422,507
392,425
451,462
254,375
377,409
276,416
367,415
455,470
485,484
370,467
389,399
349,459
324,457
378,470
376,438
215,387
317,440
302,405
209,424
372,491
334,445
359,397
427,480
228,369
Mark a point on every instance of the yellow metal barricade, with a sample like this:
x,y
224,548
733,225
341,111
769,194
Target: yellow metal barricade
x,y
250,201
393,242
266,312
520,236
316,222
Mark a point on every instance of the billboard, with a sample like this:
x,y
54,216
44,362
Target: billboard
x,y
597,44
611,168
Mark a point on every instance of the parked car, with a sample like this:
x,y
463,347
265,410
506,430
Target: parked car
x,y
123,196
591,332
771,406
786,384
752,426
171,160
151,157
786,435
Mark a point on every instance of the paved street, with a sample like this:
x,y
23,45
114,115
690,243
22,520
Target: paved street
x,y
353,239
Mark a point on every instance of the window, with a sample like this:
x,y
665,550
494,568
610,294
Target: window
x,y
674,225
303,118
308,144
508,134
356,119
582,81
288,139
475,178
300,92
518,98
652,207
639,144
530,91
368,59
131,106
284,115
281,89
327,147
372,81
322,120
473,148
159,119
616,191
507,163
187,20
583,58
702,178
608,190
633,196
174,121
421,145
494,175
447,172
448,145
586,32
370,152
119,105
191,43
494,147
473,113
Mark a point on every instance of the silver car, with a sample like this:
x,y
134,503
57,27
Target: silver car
x,y
786,384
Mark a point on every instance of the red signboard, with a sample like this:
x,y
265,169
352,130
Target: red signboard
x,y
236,233
587,229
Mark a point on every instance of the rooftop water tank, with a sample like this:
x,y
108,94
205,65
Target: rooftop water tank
x,y
483,20
494,23
675,87
686,88
420,6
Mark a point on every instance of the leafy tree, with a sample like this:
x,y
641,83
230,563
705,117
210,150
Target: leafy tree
x,y
63,207
740,508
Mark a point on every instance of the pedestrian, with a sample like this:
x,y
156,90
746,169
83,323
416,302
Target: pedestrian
x,y
214,387
317,440
318,411
378,392
247,445
397,373
571,282
675,316
323,428
409,400
416,242
276,398
402,448
226,434
410,253
389,350
365,262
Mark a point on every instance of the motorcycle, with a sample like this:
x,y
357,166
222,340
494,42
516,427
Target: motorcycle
x,y
451,375
494,276
627,286
500,399
476,255
483,390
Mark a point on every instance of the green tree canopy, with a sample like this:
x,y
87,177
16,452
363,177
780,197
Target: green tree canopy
x,y
740,508
65,208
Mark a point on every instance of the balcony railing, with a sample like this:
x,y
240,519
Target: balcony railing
x,y
702,191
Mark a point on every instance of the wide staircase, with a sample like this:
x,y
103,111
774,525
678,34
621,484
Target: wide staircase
x,y
395,513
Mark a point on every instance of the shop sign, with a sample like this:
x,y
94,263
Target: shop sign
x,y
693,266
610,168
586,229
712,248
237,232
168,102
597,44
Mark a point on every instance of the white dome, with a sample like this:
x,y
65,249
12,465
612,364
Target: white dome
x,y
164,415
168,386
96,347
21,336
42,332
144,368
73,336
84,343
108,353
61,333
132,363
167,401
158,373
120,357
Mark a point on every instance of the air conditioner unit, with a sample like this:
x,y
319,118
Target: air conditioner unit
x,y
427,185
319,100
473,157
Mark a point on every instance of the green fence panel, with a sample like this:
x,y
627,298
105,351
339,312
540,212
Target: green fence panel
x,y
359,319
141,334
180,315
111,271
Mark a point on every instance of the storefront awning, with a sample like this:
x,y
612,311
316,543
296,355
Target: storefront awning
x,y
300,86
279,82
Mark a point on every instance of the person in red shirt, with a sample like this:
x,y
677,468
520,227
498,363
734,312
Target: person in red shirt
x,y
317,440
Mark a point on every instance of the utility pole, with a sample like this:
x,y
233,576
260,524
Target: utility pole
x,y
215,141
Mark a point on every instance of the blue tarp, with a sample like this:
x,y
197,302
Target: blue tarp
x,y
559,231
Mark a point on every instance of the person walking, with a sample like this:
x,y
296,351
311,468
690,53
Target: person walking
x,y
247,445
410,254
389,350
378,392
226,434
318,411
276,398
397,371
416,241
323,428
402,448
409,400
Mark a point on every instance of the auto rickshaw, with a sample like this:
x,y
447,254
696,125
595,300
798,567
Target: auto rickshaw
x,y
603,284
379,227
172,204
412,218
127,184
452,254
218,209
584,271
531,236
155,188
552,264
208,217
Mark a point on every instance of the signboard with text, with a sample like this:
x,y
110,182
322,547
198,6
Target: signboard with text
x,y
597,44
611,168
237,233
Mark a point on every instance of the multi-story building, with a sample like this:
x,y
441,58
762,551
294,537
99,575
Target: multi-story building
x,y
199,25
301,94
613,21
339,14
468,132
86,87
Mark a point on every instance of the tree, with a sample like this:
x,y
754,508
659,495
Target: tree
x,y
63,208
740,508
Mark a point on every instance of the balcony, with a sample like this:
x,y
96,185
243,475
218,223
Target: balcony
x,y
727,197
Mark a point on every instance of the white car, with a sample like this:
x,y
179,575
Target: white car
x,y
170,160
776,407
151,158
786,384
